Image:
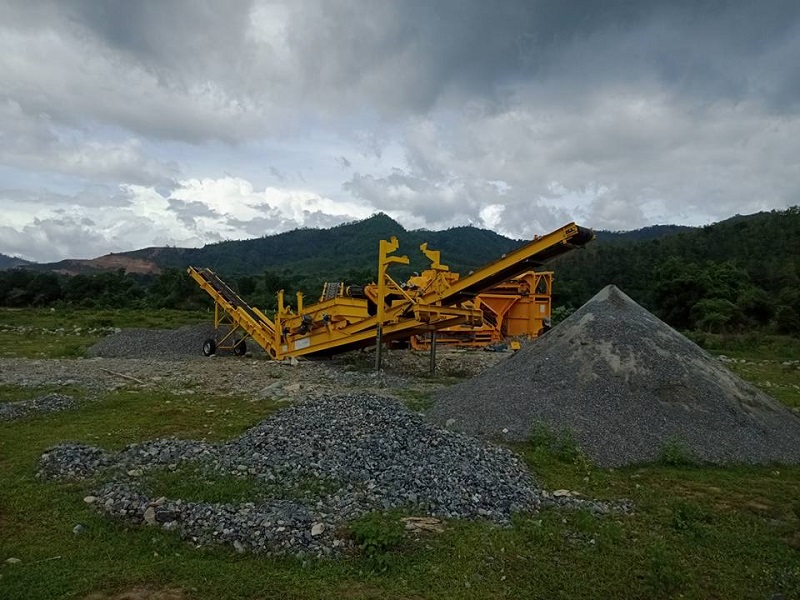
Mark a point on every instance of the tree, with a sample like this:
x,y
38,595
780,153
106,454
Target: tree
x,y
715,315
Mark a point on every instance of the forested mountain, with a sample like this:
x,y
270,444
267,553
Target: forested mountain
x,y
641,235
334,252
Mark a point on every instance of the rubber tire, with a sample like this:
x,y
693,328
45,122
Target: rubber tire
x,y
240,348
209,347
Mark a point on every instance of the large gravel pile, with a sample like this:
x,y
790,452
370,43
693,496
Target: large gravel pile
x,y
356,453
627,386
12,411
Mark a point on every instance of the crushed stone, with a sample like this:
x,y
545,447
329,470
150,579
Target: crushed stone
x,y
48,403
357,452
154,343
627,387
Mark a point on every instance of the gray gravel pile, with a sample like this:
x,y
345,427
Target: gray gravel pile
x,y
320,463
12,411
157,343
72,462
627,386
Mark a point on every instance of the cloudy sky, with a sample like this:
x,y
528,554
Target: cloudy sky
x,y
182,122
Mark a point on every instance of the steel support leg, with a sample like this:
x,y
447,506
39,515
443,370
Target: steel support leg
x,y
378,346
433,352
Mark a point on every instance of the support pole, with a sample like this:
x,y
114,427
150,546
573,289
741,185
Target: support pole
x,y
378,346
433,352
385,248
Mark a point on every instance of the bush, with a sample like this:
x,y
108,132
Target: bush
x,y
689,518
559,444
675,453
376,535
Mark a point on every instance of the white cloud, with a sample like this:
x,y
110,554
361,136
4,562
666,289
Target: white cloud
x,y
633,158
50,227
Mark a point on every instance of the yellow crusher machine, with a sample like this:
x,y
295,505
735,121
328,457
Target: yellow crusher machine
x,y
353,317
515,309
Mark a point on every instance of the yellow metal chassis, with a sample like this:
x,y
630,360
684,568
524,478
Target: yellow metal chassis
x,y
390,311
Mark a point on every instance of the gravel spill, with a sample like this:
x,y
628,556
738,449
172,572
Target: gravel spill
x,y
12,411
627,386
321,463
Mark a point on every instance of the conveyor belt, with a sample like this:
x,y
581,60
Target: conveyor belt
x,y
228,294
529,257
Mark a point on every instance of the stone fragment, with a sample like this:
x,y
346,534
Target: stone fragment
x,y
150,516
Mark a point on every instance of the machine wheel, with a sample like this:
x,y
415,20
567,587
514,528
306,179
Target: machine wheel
x,y
240,348
209,347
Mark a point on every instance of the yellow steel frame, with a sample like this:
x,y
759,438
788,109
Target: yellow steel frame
x,y
389,312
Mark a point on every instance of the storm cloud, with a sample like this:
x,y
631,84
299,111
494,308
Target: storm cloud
x,y
236,119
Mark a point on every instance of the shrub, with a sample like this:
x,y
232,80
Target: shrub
x,y
675,453
376,535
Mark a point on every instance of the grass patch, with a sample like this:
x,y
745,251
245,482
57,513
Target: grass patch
x,y
415,400
38,344
13,393
676,453
547,444
69,318
378,536
770,362
780,381
194,484
68,333
752,346
700,532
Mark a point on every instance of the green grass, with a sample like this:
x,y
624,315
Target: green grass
x,y
697,531
69,318
194,484
753,346
12,393
416,400
772,376
770,362
39,344
68,333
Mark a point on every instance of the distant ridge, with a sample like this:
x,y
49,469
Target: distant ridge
x,y
653,232
11,262
331,252
350,247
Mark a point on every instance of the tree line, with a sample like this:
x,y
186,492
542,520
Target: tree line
x,y
172,288
738,275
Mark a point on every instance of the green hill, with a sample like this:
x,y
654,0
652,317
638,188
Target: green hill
x,y
335,252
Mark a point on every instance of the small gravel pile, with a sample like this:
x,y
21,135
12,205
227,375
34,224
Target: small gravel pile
x,y
628,387
157,343
357,452
12,411
72,461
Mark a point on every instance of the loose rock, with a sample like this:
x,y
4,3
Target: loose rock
x,y
332,459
